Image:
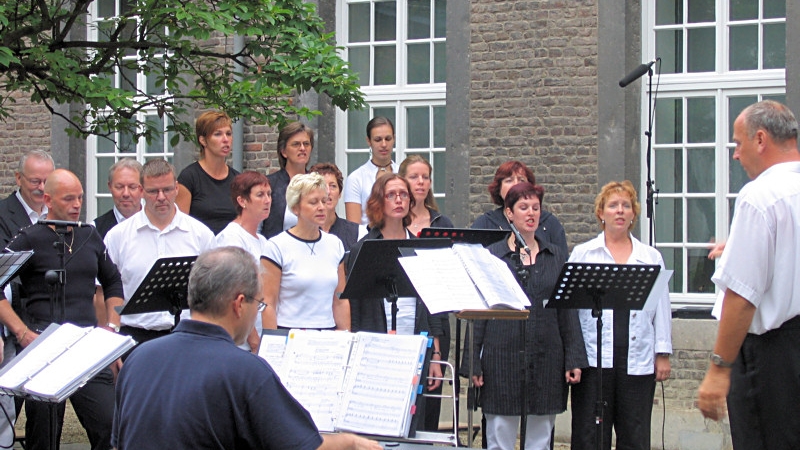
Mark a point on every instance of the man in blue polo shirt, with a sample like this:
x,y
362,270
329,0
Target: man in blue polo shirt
x,y
195,389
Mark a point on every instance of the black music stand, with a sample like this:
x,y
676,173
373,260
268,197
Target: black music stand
x,y
619,287
163,289
466,235
10,263
377,274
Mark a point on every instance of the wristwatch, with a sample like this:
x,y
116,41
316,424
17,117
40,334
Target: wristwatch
x,y
113,327
718,361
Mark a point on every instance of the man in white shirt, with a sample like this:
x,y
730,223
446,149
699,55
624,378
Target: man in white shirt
x,y
756,358
159,230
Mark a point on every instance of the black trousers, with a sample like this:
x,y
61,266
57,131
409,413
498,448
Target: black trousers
x,y
94,406
629,406
764,400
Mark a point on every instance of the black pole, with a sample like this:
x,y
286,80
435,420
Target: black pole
x,y
599,405
650,184
522,277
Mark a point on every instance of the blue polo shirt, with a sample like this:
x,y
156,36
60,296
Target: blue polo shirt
x,y
195,389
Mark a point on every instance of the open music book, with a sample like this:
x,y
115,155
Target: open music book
x,y
465,276
61,360
359,382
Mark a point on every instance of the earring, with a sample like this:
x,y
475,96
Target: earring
x,y
603,222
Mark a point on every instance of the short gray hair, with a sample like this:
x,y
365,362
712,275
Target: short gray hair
x,y
218,276
773,117
36,154
125,163
156,168
301,185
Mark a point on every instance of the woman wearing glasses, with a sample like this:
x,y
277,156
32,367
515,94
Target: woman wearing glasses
x,y
305,269
251,196
205,185
295,142
389,210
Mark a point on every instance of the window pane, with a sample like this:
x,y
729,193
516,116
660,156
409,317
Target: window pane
x,y
731,207
152,74
419,67
673,259
439,174
736,174
106,8
669,46
358,29
781,98
105,145
701,120
104,203
385,21
669,170
744,47
669,220
126,143
418,119
700,171
735,106
700,270
669,120
702,11
359,62
744,9
388,112
669,12
702,49
440,19
357,128
441,202
774,46
774,9
356,160
439,126
700,218
127,77
419,19
157,144
129,34
439,62
385,65
103,164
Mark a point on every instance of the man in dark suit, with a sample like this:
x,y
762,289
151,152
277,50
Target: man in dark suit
x,y
26,205
126,191
19,210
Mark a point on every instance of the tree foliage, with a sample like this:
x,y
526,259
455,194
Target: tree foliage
x,y
183,47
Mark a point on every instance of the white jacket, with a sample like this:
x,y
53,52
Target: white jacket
x,y
650,330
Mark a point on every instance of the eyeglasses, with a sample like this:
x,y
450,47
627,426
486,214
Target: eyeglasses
x,y
391,196
261,305
35,182
155,191
298,144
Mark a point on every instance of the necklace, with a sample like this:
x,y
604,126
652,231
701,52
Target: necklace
x,y
71,242
386,168
311,246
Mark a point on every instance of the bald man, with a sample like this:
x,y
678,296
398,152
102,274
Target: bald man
x,y
85,260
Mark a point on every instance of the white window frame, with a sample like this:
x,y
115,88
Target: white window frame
x,y
720,84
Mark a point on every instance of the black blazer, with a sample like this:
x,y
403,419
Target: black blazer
x,y
105,222
12,218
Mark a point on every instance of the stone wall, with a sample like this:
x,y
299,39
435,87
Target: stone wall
x,y
533,95
27,128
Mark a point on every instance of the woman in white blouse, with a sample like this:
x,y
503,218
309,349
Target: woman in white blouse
x,y
636,345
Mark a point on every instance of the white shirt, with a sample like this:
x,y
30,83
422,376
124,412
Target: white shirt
x,y
236,236
135,244
358,186
33,215
761,260
650,331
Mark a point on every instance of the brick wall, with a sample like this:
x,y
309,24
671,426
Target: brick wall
x,y
533,97
27,128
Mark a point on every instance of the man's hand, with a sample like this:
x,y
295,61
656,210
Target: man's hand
x,y
573,376
434,371
26,337
115,367
711,397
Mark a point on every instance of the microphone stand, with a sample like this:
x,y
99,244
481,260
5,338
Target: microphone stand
x,y
650,184
58,296
522,275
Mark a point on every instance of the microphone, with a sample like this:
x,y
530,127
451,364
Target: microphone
x,y
63,223
636,73
520,239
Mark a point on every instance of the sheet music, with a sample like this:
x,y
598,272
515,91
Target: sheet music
x,y
441,282
33,360
492,276
93,349
381,384
313,371
271,350
660,287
